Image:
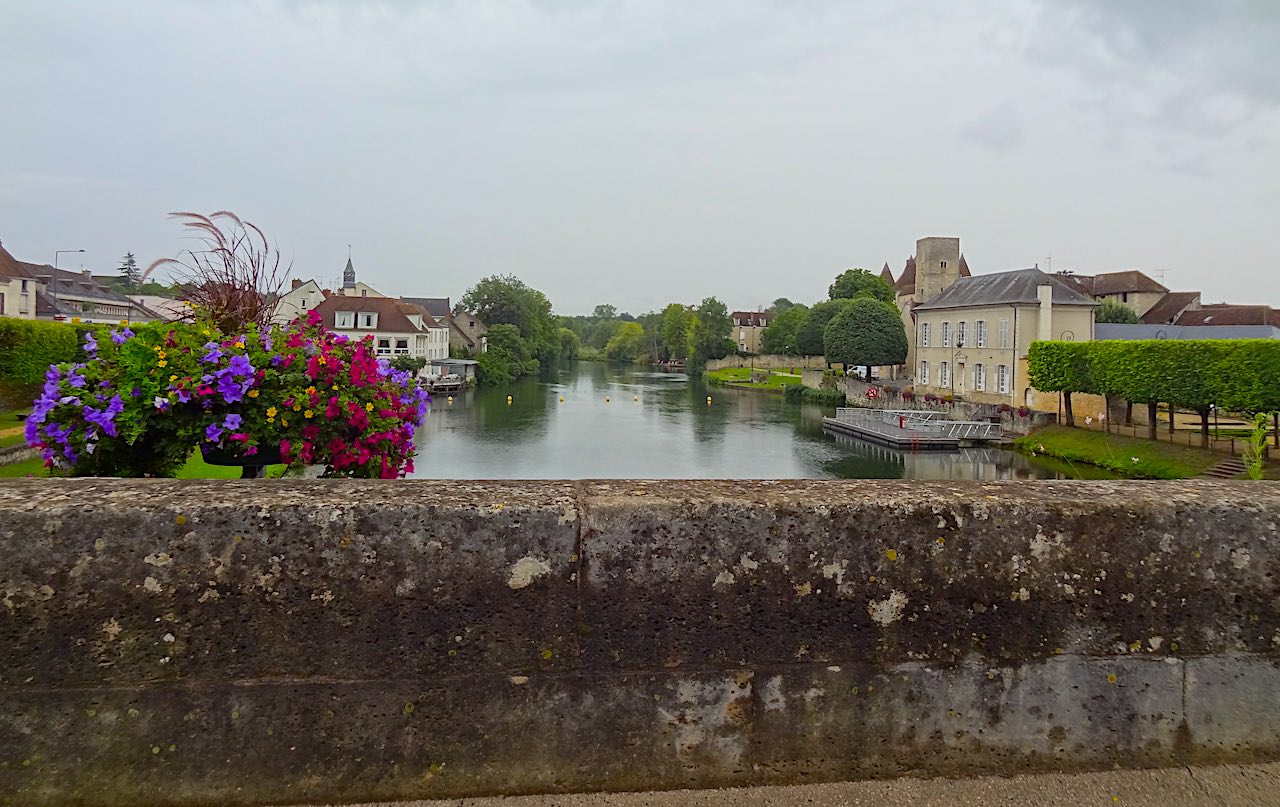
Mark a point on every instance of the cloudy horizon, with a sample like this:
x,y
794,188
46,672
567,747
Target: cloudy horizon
x,y
639,153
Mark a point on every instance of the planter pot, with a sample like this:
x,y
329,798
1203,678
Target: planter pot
x,y
254,466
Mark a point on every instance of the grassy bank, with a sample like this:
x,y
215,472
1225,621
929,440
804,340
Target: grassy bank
x,y
740,377
827,396
11,427
1128,456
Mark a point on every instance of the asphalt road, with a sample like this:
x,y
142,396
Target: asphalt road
x,y
1225,786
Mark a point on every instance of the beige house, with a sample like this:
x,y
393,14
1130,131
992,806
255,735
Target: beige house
x,y
747,329
301,298
937,264
397,328
971,339
19,288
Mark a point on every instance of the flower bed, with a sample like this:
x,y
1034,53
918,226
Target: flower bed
x,y
144,400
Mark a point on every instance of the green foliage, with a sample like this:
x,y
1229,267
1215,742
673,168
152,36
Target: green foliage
x,y
604,311
809,336
507,358
673,332
779,335
1236,375
570,344
506,300
827,396
27,348
853,283
409,364
867,333
1255,453
709,332
781,306
130,274
627,344
1114,311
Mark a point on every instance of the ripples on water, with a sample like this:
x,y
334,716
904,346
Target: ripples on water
x,y
657,425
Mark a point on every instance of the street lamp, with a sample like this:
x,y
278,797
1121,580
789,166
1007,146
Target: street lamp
x,y
955,357
53,281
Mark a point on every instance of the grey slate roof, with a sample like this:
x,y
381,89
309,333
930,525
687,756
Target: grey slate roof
x,y
437,307
1004,288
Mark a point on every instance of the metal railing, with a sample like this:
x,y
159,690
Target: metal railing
x,y
921,421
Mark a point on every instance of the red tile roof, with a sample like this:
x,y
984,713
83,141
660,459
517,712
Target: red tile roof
x,y
1223,314
907,283
1170,307
750,318
392,314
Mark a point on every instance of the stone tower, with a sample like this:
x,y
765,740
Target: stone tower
x,y
349,276
937,266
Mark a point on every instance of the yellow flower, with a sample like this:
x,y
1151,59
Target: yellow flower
x,y
162,363
297,407
368,407
271,420
172,378
253,393
284,421
308,414
335,386
311,390
159,354
271,411
240,345
320,360
205,331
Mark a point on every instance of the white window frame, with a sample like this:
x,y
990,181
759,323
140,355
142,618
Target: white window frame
x,y
368,319
944,374
924,372
924,334
1004,333
946,333
381,349
344,319
961,334
401,350
980,377
1002,378
980,332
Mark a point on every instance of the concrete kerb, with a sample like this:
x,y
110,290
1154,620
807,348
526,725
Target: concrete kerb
x,y
288,641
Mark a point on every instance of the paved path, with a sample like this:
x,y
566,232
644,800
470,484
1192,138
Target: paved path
x,y
1225,786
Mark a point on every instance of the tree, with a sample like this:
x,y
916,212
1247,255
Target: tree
x,y
129,272
853,283
709,334
866,333
628,343
506,300
508,356
673,332
781,306
809,335
569,344
605,312
780,334
599,333
1114,311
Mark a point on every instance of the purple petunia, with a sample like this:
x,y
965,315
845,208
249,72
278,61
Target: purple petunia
x,y
90,344
122,336
240,366
75,379
213,354
230,389
232,422
213,433
161,403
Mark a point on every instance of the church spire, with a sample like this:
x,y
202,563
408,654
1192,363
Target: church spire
x,y
349,275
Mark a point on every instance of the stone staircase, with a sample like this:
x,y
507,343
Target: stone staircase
x,y
1232,468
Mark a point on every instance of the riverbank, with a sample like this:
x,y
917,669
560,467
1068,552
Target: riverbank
x,y
1128,456
741,378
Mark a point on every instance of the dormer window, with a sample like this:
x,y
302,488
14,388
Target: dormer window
x,y
345,319
368,319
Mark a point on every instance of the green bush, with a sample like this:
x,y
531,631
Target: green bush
x,y
796,393
27,348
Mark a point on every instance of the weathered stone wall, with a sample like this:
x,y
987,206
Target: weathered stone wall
x,y
767,361
282,641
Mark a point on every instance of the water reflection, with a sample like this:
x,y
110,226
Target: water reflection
x,y
621,422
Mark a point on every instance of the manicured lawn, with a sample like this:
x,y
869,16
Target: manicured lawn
x,y
9,422
1128,456
741,377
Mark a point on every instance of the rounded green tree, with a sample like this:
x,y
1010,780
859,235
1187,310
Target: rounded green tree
x,y
866,333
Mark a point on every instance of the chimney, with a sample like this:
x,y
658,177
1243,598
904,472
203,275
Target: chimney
x,y
1044,293
297,284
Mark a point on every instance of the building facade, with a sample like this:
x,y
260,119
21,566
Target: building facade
x,y
301,298
936,264
972,339
466,331
748,326
35,291
396,328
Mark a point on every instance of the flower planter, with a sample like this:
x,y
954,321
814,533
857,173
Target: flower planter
x,y
254,466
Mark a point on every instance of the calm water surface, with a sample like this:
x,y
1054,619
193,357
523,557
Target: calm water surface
x,y
657,425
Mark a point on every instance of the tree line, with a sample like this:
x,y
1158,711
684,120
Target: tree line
x,y
1235,375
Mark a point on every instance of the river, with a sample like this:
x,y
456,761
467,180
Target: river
x,y
591,420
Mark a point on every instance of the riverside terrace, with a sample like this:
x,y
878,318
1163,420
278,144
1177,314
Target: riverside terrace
x,y
180,643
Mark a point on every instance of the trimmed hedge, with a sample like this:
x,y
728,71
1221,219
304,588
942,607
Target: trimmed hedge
x,y
1237,375
796,393
27,348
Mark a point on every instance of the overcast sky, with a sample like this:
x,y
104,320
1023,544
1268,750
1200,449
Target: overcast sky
x,y
640,152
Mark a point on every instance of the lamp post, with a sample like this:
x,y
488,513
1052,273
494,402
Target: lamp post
x,y
955,357
53,280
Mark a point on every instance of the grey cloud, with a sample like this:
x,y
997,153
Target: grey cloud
x,y
999,128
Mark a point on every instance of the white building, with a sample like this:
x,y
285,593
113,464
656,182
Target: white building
x,y
397,328
296,302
